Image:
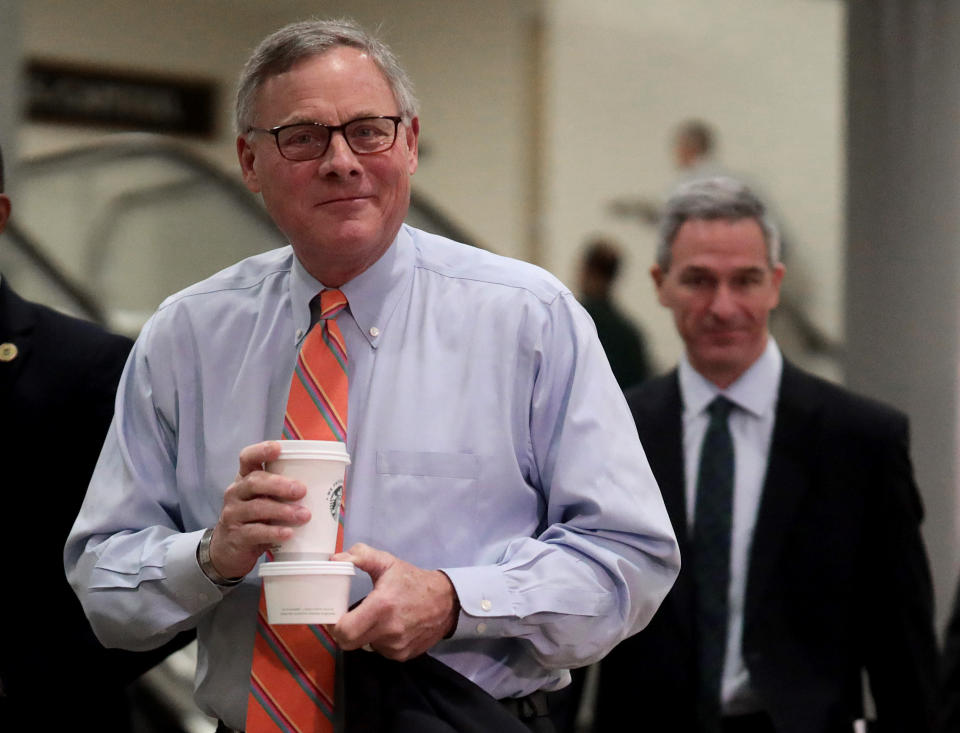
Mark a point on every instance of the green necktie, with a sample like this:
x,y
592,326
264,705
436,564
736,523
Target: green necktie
x,y
711,560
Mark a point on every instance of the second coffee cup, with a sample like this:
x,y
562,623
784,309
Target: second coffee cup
x,y
320,465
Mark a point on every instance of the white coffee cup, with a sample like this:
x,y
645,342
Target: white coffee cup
x,y
320,465
306,592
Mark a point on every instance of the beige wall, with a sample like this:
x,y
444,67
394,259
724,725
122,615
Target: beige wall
x,y
9,90
468,60
609,80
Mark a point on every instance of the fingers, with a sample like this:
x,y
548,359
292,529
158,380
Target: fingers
x,y
254,456
371,561
261,483
377,626
259,511
407,612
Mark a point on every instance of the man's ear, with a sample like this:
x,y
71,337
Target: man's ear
x,y
4,210
413,142
779,270
247,156
658,276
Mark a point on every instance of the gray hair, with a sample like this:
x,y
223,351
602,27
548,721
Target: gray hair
x,y
714,198
282,50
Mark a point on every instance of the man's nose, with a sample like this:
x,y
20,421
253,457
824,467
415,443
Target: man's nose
x,y
723,304
339,159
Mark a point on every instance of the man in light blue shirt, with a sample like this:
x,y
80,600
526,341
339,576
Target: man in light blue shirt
x,y
499,498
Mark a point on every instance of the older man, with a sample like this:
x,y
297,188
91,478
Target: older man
x,y
795,505
498,496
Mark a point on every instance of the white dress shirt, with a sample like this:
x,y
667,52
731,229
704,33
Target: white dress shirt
x,y
751,425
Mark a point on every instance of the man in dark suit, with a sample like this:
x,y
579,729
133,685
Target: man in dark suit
x,y
58,378
809,568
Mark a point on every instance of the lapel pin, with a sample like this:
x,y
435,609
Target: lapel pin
x,y
8,352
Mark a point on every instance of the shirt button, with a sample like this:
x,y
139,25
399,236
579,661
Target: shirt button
x,y
374,331
299,333
481,628
486,605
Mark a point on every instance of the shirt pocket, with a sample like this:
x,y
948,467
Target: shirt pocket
x,y
427,506
438,465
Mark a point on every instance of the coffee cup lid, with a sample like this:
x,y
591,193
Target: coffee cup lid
x,y
307,567
326,449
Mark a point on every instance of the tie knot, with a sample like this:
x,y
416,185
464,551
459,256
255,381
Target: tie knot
x,y
331,303
720,408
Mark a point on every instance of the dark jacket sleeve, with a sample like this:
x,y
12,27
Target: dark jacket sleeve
x,y
899,641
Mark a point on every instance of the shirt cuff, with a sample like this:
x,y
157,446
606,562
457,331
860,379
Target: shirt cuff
x,y
486,608
197,591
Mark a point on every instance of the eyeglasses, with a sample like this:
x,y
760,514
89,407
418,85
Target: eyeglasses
x,y
310,140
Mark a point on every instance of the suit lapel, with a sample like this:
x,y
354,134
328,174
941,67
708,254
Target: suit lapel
x,y
659,416
17,320
788,477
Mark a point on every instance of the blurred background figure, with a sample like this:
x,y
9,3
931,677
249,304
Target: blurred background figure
x,y
694,144
58,379
622,339
693,147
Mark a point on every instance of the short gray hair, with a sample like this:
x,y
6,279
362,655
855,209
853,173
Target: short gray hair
x,y
714,198
282,50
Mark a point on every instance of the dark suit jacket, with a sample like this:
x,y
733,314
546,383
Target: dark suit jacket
x,y
948,706
56,402
838,578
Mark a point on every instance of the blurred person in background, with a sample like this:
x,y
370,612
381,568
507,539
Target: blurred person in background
x,y
58,380
693,151
622,339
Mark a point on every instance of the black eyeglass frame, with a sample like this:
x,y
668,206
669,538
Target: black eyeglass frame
x,y
331,129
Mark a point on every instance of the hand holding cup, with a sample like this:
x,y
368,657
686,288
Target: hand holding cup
x,y
259,512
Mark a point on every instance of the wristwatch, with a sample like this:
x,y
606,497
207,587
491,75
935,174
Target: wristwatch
x,y
203,558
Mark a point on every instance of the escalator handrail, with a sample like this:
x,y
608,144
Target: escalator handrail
x,y
134,145
84,300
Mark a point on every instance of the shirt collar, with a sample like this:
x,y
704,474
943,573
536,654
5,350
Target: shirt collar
x,y
754,391
372,295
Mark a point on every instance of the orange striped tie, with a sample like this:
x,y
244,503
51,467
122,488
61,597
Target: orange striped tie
x,y
292,677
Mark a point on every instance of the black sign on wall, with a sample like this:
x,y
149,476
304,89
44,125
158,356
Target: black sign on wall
x,y
64,93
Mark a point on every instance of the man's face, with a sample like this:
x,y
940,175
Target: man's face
x,y
721,290
342,210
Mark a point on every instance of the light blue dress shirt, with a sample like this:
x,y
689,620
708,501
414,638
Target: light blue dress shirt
x,y
751,426
488,438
